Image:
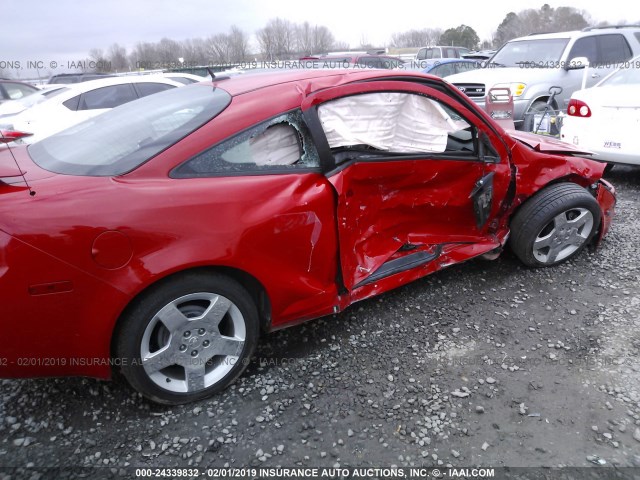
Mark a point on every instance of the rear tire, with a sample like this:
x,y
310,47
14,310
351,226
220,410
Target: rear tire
x,y
554,225
188,338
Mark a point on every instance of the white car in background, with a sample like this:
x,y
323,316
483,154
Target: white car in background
x,y
605,119
75,103
13,107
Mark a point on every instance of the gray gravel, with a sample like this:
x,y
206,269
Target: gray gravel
x,y
486,363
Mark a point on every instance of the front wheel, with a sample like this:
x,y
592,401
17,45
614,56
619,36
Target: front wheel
x,y
554,225
188,338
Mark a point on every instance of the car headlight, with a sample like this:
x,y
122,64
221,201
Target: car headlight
x,y
517,88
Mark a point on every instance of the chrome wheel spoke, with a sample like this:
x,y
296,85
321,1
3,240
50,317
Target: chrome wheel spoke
x,y
554,251
156,361
543,242
172,317
560,220
228,346
215,313
194,373
585,218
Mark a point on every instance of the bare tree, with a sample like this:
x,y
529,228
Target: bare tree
x,y
238,44
169,51
194,51
117,56
416,38
266,42
313,39
99,60
280,39
144,56
323,39
304,38
219,48
364,43
277,39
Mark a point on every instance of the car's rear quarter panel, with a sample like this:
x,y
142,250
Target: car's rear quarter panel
x,y
279,229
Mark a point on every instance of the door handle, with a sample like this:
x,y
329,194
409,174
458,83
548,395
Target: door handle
x,y
595,75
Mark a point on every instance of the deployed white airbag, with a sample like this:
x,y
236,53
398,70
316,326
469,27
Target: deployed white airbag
x,y
277,145
392,121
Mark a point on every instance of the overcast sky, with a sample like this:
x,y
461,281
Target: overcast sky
x,y
65,30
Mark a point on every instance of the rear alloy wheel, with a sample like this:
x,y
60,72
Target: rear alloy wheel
x,y
188,339
554,225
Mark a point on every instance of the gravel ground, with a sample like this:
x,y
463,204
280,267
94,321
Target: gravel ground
x,y
483,364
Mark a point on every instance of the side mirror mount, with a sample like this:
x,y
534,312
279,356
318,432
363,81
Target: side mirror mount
x,y
487,153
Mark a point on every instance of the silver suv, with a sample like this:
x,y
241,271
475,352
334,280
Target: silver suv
x,y
531,65
428,53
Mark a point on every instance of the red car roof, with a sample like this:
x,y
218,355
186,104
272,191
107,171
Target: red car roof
x,y
309,79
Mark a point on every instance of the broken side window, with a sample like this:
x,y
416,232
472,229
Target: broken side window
x,y
395,122
282,143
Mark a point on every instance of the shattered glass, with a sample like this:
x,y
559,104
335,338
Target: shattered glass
x,y
280,143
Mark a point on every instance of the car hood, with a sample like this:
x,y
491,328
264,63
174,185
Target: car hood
x,y
491,76
541,143
625,96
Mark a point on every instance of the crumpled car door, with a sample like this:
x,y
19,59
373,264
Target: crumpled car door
x,y
416,175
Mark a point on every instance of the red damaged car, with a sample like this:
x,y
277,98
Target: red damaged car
x,y
163,237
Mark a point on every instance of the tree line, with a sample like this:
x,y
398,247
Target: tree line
x,y
281,39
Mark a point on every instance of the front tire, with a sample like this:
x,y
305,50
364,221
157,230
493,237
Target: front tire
x,y
554,225
188,338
